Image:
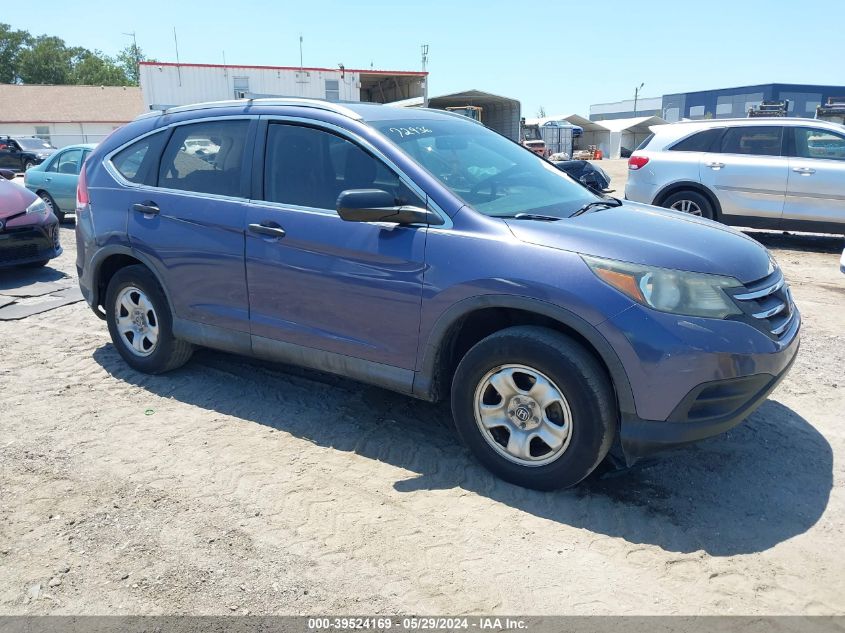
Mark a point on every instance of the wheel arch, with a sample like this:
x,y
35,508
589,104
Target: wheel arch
x,y
468,321
683,185
112,259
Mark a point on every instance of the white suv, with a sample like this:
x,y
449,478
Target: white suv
x,y
778,173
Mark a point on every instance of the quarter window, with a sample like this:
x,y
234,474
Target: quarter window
x,y
138,162
205,157
817,143
67,162
698,142
308,167
753,139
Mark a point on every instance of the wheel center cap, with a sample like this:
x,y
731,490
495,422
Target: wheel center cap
x,y
524,412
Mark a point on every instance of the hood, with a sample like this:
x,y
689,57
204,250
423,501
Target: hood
x,y
14,199
643,234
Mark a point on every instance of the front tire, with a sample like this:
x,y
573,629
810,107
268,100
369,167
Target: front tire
x,y
692,202
535,407
140,324
28,164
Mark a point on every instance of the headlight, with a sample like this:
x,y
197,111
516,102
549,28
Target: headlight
x,y
667,290
38,207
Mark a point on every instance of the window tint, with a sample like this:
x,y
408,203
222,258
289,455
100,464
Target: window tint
x,y
308,167
698,142
817,143
205,157
67,162
138,162
754,140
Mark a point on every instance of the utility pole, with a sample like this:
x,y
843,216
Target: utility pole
x,y
424,49
178,67
636,96
136,55
300,52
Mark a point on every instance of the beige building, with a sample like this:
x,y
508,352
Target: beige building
x,y
64,115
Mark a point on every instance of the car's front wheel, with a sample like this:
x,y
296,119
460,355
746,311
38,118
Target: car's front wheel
x,y
140,324
535,407
27,164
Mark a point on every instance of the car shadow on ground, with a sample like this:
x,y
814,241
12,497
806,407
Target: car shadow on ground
x,y
762,483
20,276
809,242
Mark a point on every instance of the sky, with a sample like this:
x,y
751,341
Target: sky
x,y
561,56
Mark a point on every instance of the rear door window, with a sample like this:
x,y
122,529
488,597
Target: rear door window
x,y
699,142
755,140
206,157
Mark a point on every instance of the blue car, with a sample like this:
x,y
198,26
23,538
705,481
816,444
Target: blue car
x,y
419,251
54,180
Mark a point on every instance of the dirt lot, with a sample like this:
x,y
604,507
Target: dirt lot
x,y
234,486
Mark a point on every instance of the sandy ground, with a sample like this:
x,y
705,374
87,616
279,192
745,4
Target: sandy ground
x,y
235,486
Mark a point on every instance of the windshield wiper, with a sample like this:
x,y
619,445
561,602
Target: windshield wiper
x,y
530,216
608,203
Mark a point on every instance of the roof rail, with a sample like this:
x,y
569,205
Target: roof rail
x,y
301,102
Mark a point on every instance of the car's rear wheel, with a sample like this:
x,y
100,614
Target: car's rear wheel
x,y
689,201
140,324
51,204
27,164
535,407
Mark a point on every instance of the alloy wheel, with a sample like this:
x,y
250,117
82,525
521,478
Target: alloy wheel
x,y
687,206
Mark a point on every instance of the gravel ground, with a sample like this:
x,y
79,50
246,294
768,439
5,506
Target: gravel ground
x,y
236,486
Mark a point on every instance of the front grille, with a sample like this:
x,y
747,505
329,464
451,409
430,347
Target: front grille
x,y
767,304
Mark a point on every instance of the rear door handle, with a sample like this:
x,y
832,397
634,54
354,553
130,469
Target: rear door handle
x,y
147,208
804,171
715,165
268,229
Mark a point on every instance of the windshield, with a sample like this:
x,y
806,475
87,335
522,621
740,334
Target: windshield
x,y
487,171
33,143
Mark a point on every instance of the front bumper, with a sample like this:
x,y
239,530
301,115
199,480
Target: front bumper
x,y
693,378
29,243
709,409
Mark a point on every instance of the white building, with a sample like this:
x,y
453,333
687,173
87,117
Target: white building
x,y
65,115
612,135
166,84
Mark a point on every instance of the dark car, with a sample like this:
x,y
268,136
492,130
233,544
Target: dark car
x,y
586,173
422,252
29,232
22,152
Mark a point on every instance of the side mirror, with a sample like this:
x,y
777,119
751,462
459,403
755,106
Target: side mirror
x,y
376,205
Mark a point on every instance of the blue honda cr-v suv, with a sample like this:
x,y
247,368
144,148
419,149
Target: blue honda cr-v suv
x,y
419,251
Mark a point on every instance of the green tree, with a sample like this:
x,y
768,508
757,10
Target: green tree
x,y
11,45
97,69
129,60
46,61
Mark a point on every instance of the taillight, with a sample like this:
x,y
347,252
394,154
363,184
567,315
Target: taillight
x,y
637,162
82,198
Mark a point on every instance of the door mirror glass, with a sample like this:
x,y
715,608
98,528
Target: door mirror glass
x,y
376,205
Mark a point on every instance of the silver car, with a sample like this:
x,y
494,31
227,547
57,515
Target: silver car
x,y
778,173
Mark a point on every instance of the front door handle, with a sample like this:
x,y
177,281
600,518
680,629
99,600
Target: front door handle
x,y
147,208
804,171
715,165
269,229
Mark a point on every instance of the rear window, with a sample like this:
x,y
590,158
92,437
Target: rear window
x,y
754,140
699,142
645,142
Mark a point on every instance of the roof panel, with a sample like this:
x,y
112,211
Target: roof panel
x,y
69,104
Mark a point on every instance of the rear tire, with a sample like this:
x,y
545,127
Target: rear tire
x,y
48,200
28,164
535,407
140,323
692,202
